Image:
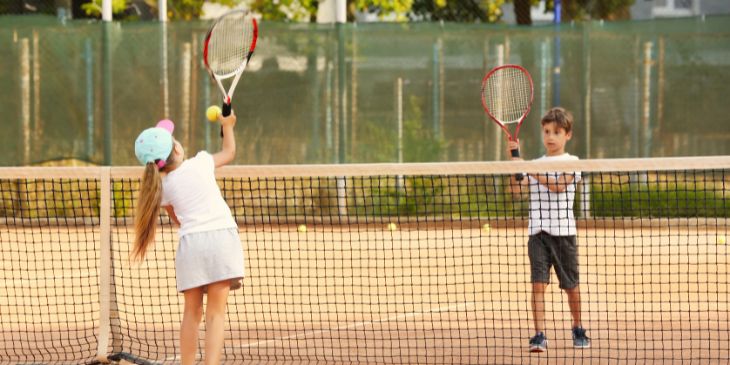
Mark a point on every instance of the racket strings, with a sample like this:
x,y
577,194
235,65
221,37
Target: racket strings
x,y
230,43
507,93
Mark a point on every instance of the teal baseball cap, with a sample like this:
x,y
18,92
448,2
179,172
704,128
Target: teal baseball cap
x,y
155,144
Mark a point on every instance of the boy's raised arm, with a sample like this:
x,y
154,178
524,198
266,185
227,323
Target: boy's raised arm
x,y
516,187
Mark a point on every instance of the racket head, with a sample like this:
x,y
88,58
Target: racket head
x,y
230,43
507,94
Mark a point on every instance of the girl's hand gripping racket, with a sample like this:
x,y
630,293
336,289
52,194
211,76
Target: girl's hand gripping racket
x,y
507,94
229,45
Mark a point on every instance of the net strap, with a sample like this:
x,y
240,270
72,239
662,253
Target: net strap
x,y
105,267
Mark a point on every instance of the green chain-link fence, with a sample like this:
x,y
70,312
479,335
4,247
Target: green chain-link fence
x,y
328,94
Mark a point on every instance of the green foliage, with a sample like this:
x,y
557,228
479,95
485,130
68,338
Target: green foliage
x,y
14,7
441,196
306,10
176,9
611,9
654,200
417,195
593,9
455,10
181,9
384,8
380,141
419,142
93,8
378,144
422,196
402,10
123,198
48,199
286,10
188,9
436,10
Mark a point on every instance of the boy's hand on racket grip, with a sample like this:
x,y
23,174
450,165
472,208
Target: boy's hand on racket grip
x,y
514,149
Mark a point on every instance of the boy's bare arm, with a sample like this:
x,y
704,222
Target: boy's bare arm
x,y
555,184
518,188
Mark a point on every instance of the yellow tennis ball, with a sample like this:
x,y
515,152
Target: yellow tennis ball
x,y
212,113
721,239
392,226
302,228
486,228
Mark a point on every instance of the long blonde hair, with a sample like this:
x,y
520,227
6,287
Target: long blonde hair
x,y
148,211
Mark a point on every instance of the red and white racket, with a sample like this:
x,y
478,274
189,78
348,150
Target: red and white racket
x,y
229,45
507,94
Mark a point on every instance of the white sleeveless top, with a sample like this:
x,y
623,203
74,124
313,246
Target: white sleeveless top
x,y
192,191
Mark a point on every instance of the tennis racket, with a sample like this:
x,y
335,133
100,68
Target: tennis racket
x,y
228,47
507,94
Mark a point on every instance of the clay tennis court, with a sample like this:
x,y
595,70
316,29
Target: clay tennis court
x,y
368,294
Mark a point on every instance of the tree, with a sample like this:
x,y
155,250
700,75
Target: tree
x,y
13,7
187,9
176,9
400,10
522,11
592,9
286,10
93,7
384,8
450,11
612,9
306,10
468,11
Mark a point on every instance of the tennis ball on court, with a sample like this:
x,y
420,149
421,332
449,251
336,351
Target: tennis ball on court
x,y
392,226
212,113
486,228
302,228
721,239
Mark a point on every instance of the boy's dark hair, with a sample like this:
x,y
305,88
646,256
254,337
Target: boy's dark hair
x,y
561,117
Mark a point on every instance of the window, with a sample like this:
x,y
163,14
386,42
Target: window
x,y
675,8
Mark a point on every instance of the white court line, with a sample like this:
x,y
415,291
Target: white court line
x,y
357,325
350,326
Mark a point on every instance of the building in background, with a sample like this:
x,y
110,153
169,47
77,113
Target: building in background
x,y
651,9
641,10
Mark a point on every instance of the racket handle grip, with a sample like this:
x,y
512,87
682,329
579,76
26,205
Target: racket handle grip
x,y
516,153
225,111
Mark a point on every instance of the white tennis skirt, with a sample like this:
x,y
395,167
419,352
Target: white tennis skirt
x,y
207,257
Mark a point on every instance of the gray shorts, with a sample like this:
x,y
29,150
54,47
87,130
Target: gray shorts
x,y
203,258
546,251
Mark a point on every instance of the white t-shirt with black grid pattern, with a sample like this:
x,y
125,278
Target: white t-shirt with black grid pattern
x,y
550,211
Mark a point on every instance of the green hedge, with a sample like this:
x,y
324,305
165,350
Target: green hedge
x,y
656,201
448,196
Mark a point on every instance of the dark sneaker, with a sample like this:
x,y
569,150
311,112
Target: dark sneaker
x,y
580,340
538,343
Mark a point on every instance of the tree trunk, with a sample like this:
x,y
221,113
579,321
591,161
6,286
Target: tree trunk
x,y
522,12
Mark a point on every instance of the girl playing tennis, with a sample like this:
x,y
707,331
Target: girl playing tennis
x,y
209,255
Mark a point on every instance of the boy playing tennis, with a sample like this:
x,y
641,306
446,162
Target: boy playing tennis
x,y
552,241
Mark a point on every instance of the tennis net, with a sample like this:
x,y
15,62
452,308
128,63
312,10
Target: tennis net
x,y
386,263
